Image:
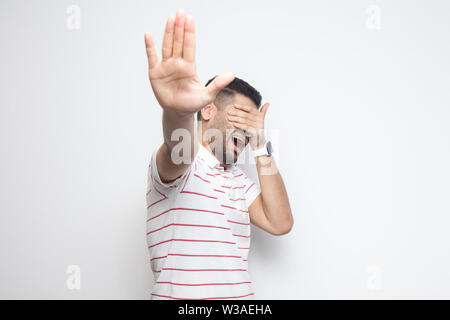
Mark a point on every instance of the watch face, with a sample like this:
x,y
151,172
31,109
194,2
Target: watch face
x,y
269,147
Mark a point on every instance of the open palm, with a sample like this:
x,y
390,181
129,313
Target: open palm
x,y
174,80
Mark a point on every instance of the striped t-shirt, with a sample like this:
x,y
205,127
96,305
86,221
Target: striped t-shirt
x,y
198,231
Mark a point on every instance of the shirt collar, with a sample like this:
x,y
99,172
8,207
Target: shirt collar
x,y
210,159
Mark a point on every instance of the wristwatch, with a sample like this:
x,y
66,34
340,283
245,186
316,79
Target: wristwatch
x,y
264,151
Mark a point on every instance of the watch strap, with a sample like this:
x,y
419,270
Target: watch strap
x,y
262,151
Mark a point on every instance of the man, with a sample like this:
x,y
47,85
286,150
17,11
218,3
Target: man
x,y
200,204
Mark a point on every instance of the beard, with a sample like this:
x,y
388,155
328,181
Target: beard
x,y
223,150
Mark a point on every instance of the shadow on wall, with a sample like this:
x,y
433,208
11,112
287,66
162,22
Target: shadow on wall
x,y
264,246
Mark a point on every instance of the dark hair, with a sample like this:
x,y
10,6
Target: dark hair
x,y
237,86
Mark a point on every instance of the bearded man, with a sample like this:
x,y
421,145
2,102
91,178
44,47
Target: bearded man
x,y
200,203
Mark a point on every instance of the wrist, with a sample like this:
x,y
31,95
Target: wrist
x,y
175,113
265,150
258,143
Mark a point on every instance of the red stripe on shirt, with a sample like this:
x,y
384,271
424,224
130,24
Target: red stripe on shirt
x,y
245,224
163,296
201,210
154,217
199,194
196,193
203,284
239,235
237,199
203,255
152,204
222,205
158,258
185,209
195,270
229,207
187,179
188,225
190,240
250,187
171,186
160,192
196,175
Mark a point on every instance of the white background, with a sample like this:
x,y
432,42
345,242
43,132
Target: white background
x,y
364,143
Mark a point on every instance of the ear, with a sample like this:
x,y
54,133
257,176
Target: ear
x,y
208,112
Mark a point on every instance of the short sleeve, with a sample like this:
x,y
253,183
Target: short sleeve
x,y
251,192
155,180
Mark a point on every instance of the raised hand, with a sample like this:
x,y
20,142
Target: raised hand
x,y
174,80
251,121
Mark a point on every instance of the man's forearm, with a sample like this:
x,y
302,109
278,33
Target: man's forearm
x,y
179,91
178,130
274,196
173,120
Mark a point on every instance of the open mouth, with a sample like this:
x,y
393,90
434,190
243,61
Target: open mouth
x,y
239,141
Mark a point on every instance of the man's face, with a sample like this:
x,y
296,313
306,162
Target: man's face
x,y
234,139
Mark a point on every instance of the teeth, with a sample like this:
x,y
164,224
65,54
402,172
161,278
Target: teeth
x,y
239,139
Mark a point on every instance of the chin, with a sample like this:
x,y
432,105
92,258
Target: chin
x,y
231,157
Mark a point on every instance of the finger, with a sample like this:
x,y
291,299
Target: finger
x,y
168,38
264,108
245,108
179,34
151,51
237,119
241,126
189,39
219,82
248,122
239,113
248,130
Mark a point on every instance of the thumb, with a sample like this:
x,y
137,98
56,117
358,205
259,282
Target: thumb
x,y
264,108
219,82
